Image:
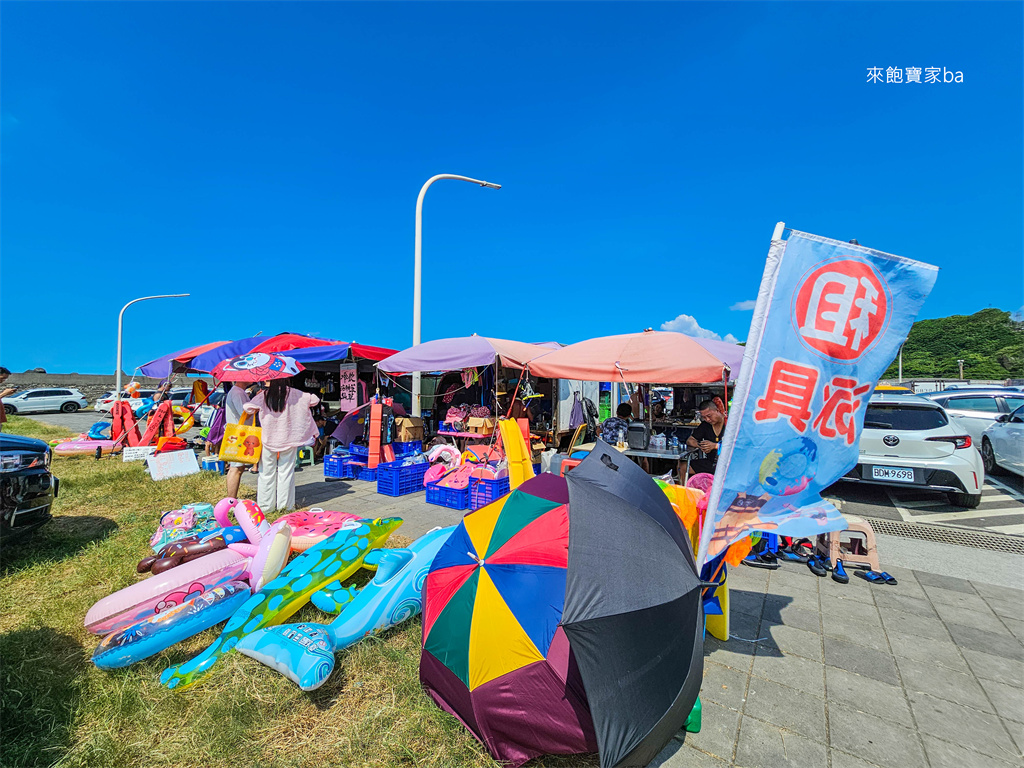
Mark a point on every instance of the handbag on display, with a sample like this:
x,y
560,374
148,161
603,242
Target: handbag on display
x,y
242,443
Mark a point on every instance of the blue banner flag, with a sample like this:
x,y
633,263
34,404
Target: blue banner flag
x,y
830,318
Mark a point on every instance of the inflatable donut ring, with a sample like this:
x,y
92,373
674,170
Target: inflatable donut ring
x,y
313,526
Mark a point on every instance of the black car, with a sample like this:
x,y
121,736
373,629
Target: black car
x,y
27,489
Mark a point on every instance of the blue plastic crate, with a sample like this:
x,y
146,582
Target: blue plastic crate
x,y
452,498
536,469
334,466
483,491
362,451
407,449
396,480
365,473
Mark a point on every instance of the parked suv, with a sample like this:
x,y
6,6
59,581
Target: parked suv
x,y
27,489
977,409
909,441
42,400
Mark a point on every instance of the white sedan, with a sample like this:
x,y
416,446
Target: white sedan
x,y
910,441
1002,444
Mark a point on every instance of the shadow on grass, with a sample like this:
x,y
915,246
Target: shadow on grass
x,y
39,694
61,538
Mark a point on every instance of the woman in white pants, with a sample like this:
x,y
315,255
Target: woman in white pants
x,y
287,425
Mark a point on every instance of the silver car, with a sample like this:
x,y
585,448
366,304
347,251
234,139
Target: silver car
x,y
976,409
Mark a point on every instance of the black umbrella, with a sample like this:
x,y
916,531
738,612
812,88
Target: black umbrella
x,y
633,612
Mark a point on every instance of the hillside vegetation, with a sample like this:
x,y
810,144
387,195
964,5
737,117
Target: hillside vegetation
x,y
989,342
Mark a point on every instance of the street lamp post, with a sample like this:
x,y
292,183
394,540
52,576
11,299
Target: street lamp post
x,y
418,274
961,364
120,328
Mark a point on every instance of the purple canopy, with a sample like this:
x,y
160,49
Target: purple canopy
x,y
458,353
730,354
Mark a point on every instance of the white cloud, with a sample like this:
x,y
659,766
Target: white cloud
x,y
688,324
743,306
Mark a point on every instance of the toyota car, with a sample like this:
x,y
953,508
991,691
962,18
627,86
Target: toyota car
x,y
910,441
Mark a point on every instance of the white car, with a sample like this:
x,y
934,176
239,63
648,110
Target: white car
x,y
909,441
42,400
1002,445
105,401
974,410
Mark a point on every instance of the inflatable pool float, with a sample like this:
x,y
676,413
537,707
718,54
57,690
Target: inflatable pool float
x,y
84,447
189,548
162,630
447,454
336,557
304,653
186,416
312,527
178,585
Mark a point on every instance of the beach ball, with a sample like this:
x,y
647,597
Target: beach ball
x,y
788,469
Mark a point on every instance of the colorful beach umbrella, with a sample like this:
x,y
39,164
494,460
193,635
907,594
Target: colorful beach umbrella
x,y
566,617
462,352
256,366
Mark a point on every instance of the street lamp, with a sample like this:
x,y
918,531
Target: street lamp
x,y
961,364
418,273
120,327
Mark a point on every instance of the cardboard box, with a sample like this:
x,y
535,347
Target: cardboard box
x,y
480,425
408,428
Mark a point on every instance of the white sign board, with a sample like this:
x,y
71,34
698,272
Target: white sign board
x,y
174,464
348,388
137,454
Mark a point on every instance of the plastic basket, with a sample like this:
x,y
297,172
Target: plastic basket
x,y
452,498
365,473
536,469
483,491
334,466
407,449
396,480
359,450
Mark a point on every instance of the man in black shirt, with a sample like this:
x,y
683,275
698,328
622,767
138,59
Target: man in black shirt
x,y
707,438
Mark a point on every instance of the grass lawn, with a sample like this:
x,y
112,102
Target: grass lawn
x,y
59,709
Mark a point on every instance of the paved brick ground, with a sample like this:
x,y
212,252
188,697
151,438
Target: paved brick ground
x,y
928,673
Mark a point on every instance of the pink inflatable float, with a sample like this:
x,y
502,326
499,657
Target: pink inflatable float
x,y
83,447
258,562
312,527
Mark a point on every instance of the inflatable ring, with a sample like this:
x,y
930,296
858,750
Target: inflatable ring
x,y
83,447
448,454
186,414
312,527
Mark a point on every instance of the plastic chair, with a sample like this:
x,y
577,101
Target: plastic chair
x,y
833,545
304,456
577,437
568,464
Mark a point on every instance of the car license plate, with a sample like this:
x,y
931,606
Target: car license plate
x,y
899,474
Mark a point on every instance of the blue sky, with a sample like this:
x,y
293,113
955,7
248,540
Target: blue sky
x,y
266,159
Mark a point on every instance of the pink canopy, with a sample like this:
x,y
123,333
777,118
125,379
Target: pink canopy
x,y
651,357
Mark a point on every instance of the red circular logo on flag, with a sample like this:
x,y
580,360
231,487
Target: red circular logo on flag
x,y
841,309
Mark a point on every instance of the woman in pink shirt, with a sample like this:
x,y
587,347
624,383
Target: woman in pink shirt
x,y
287,425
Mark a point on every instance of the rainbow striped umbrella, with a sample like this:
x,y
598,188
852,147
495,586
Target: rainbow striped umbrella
x,y
566,617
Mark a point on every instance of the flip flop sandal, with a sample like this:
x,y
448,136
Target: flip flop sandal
x,y
890,580
839,573
816,568
872,577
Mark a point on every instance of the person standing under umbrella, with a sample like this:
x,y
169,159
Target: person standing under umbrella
x,y
287,425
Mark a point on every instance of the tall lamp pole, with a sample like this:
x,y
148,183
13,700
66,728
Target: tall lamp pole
x,y
418,274
120,328
961,364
